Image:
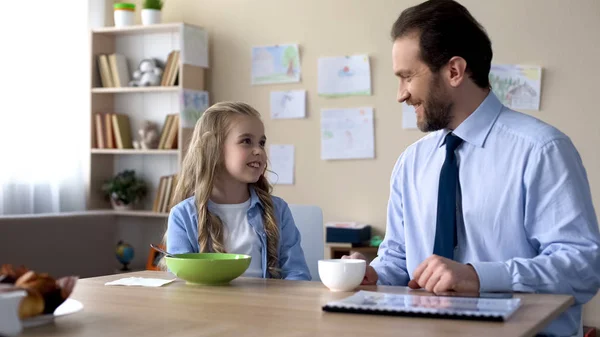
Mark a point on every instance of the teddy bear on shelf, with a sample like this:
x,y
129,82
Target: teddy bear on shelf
x,y
148,137
149,73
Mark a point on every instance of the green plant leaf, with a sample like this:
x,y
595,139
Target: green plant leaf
x,y
153,4
125,187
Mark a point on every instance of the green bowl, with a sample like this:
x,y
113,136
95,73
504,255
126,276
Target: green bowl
x,y
208,268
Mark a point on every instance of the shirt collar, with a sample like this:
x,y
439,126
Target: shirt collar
x,y
254,199
477,126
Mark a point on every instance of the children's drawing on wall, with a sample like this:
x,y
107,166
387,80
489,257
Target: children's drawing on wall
x,y
517,86
288,104
347,133
194,49
344,76
349,143
276,64
194,104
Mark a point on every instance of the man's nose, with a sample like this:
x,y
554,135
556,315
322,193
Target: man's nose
x,y
402,95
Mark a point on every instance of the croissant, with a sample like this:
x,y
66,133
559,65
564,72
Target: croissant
x,y
43,283
9,274
31,305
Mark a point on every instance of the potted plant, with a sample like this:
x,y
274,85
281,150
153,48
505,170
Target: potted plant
x,y
151,12
124,14
124,190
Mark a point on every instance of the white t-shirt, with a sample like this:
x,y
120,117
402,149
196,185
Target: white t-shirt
x,y
239,236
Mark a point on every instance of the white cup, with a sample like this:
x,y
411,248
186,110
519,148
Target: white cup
x,y
342,274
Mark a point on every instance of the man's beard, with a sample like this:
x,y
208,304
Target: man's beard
x,y
437,108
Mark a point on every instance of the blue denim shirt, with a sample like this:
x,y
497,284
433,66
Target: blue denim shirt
x,y
182,235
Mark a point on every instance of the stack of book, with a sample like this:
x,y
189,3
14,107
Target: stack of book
x,y
114,71
164,194
112,131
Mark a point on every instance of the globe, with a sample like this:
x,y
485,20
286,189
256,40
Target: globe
x,y
124,253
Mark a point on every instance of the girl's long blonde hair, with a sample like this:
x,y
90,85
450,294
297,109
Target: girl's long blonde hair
x,y
203,159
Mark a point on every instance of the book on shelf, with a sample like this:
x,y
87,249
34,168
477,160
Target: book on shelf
x,y
99,133
171,71
167,194
164,132
113,69
167,68
112,131
164,193
109,133
168,135
171,142
122,131
119,70
105,73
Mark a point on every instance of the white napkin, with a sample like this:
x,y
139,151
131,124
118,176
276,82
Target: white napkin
x,y
139,281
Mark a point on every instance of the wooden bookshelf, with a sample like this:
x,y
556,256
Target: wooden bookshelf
x,y
140,29
153,103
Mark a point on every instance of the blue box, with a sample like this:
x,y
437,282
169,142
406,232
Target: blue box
x,y
354,234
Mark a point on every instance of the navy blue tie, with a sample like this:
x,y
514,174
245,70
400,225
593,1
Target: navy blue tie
x,y
445,232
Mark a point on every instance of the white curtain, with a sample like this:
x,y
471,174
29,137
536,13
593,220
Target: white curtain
x,y
44,107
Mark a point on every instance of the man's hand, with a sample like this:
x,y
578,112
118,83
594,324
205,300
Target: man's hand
x,y
370,273
438,274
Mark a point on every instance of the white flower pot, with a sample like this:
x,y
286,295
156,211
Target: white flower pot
x,y
151,16
121,207
124,18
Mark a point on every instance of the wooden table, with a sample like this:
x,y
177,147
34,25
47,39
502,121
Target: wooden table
x,y
258,307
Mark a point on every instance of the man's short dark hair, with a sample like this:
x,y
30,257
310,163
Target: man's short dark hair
x,y
447,29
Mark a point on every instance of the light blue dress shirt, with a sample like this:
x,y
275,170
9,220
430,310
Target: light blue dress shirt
x,y
182,235
526,220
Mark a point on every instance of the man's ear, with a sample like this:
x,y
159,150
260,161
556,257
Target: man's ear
x,y
456,71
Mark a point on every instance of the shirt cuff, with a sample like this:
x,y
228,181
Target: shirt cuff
x,y
381,277
493,276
